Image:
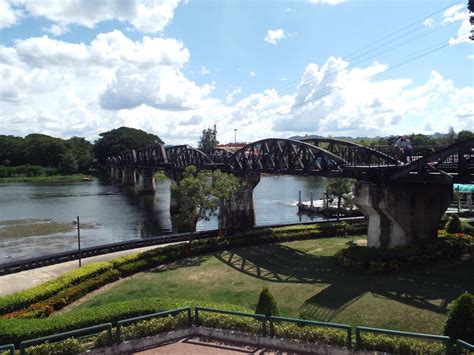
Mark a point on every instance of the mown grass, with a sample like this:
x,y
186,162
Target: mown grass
x,y
306,283
53,178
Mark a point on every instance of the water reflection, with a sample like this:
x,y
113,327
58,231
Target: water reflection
x,y
120,213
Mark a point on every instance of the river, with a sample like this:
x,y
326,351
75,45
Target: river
x,y
114,213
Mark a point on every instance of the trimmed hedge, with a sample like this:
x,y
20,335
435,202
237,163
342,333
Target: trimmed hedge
x,y
70,346
16,330
459,323
375,260
400,345
22,299
231,322
312,334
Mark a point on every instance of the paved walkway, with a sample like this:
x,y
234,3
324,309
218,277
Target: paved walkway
x,y
29,278
201,346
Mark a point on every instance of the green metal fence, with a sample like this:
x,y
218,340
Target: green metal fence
x,y
172,312
73,333
345,327
445,339
259,317
462,345
8,347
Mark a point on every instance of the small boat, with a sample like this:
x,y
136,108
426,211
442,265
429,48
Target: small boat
x,y
87,178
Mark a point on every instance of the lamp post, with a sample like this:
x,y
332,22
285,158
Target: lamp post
x,y
76,223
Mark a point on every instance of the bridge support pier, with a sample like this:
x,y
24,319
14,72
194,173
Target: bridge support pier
x,y
146,181
117,174
128,176
402,213
238,212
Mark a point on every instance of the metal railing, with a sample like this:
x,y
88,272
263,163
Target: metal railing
x,y
259,317
344,327
445,339
124,322
57,337
8,347
462,345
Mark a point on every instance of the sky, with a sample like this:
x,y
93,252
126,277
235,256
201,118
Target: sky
x,y
254,68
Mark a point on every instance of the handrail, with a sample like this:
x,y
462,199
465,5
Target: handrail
x,y
259,317
461,345
345,327
445,339
172,312
7,347
56,337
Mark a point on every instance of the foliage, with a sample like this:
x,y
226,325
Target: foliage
x,y
340,188
460,320
208,140
199,195
16,330
63,156
266,304
399,345
70,346
21,170
375,260
231,322
27,297
121,139
463,135
454,224
329,336
154,326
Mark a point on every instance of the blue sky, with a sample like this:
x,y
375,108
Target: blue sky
x,y
266,68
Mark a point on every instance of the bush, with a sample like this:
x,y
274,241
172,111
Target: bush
x,y
327,336
231,322
16,330
459,323
454,224
70,346
400,345
376,260
266,304
27,297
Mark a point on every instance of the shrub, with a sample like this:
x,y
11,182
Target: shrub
x,y
327,336
16,330
231,322
154,326
454,224
400,345
376,260
70,346
459,323
27,297
266,304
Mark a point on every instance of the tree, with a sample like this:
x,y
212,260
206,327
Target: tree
x,y
338,187
266,304
208,140
459,322
454,224
199,195
124,138
463,135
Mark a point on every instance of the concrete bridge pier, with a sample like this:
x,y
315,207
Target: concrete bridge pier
x,y
128,176
117,174
402,213
174,200
146,181
238,212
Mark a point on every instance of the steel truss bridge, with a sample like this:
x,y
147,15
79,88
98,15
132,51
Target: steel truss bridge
x,y
313,157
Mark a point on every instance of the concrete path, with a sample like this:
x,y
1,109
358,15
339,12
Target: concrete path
x,y
25,279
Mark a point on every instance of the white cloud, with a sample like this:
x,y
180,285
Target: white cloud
x,y
429,22
463,33
56,30
329,2
470,57
230,94
273,36
144,15
288,9
9,14
205,71
252,73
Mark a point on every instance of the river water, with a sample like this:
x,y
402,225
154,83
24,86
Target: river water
x,y
118,213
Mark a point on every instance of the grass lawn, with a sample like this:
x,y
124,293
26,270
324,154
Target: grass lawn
x,y
306,283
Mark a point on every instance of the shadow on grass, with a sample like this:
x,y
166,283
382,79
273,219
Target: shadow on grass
x,y
187,262
417,288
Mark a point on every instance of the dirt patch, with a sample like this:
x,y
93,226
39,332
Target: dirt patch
x,y
361,242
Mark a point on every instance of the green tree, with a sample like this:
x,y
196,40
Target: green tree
x,y
199,195
124,138
459,322
266,304
463,135
208,140
338,188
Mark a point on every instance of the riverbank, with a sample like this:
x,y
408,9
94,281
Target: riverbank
x,y
48,179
